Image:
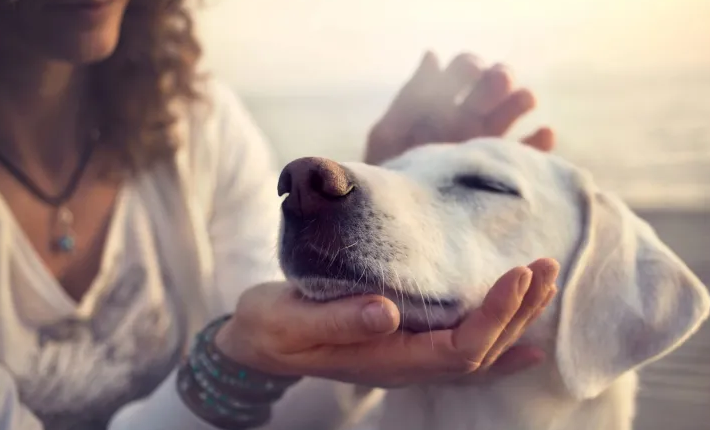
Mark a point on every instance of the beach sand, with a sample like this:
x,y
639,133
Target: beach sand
x,y
675,391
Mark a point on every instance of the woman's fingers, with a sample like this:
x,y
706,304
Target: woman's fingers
x,y
516,359
421,86
427,70
345,321
483,101
542,139
461,74
408,357
494,86
542,288
357,340
428,108
502,117
295,324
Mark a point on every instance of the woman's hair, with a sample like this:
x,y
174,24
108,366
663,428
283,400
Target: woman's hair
x,y
154,66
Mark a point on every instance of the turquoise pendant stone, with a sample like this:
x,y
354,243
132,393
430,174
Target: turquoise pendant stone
x,y
66,243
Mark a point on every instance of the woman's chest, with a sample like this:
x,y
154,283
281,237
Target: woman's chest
x,y
68,239
86,367
84,359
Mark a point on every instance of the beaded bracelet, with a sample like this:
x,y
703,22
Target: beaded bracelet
x,y
224,393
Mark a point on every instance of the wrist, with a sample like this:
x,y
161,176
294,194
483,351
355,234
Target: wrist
x,y
221,390
231,342
228,340
240,367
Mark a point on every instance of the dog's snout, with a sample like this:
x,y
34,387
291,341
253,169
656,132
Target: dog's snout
x,y
313,184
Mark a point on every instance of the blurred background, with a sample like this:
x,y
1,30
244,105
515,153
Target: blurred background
x,y
625,83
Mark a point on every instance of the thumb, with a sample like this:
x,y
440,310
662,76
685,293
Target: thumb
x,y
348,321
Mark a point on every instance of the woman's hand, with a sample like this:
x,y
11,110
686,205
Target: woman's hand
x,y
357,339
455,104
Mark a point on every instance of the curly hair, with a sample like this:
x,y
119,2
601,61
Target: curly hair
x,y
153,66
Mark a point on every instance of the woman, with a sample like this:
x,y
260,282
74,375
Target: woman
x,y
138,206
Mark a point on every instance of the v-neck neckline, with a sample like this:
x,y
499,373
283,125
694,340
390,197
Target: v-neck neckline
x,y
51,288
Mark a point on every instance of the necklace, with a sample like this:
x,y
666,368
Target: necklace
x,y
63,236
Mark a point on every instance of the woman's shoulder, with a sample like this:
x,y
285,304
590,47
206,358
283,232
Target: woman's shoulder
x,y
218,135
218,120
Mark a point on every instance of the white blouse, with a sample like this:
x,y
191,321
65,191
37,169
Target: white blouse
x,y
186,238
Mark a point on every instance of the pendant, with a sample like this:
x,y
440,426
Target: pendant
x,y
65,241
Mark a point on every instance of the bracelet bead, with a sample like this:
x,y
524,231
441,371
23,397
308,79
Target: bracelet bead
x,y
223,392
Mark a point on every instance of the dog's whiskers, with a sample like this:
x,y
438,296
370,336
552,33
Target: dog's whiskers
x,y
400,290
364,271
382,279
426,312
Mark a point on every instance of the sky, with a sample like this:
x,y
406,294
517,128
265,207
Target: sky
x,y
295,45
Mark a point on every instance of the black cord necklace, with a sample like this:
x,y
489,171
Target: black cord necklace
x,y
63,238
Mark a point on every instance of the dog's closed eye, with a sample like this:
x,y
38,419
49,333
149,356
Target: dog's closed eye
x,y
483,183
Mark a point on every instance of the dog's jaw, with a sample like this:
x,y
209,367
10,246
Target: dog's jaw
x,y
325,276
419,313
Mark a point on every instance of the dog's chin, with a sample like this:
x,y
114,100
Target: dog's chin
x,y
419,313
323,277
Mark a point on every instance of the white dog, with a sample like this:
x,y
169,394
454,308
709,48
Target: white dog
x,y
434,229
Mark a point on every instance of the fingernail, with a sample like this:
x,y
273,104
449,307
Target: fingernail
x,y
524,282
549,274
377,318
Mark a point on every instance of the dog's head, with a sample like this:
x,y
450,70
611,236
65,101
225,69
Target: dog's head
x,y
433,229
436,227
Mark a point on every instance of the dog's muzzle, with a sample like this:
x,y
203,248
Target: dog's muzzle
x,y
322,212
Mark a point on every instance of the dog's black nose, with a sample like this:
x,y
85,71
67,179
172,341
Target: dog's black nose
x,y
314,184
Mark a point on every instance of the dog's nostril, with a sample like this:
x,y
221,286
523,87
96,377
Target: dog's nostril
x,y
329,183
314,184
285,183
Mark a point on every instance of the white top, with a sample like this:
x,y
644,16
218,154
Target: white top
x,y
186,239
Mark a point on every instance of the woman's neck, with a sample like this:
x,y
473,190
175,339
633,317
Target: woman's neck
x,y
40,106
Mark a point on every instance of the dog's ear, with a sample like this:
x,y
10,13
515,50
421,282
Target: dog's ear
x,y
628,299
